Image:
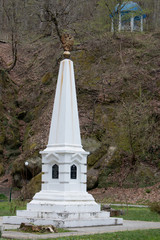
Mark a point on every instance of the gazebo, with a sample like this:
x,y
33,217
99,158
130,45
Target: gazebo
x,y
129,15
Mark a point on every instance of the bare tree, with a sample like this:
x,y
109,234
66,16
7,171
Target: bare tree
x,y
112,10
58,17
10,10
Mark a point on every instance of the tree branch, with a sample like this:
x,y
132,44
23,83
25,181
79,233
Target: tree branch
x,y
56,24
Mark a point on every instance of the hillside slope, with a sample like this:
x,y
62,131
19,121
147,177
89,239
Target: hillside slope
x,y
118,92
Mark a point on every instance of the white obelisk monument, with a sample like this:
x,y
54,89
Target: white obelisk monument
x,y
63,200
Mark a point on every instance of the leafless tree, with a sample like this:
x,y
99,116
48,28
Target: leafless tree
x,y
10,10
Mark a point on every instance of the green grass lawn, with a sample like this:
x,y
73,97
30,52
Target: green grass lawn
x,y
127,235
141,214
3,197
9,208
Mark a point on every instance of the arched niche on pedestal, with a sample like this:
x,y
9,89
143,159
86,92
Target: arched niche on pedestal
x,y
55,171
73,171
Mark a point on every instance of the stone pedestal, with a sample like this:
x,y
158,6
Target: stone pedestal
x,y
63,200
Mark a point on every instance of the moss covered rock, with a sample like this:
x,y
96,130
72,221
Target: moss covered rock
x,y
46,78
97,155
17,178
32,187
34,165
92,179
9,127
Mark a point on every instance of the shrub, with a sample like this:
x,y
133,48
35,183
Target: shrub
x,y
155,207
148,190
3,197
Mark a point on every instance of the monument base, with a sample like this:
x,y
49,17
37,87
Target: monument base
x,y
73,209
65,223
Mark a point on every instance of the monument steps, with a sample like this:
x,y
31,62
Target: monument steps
x,y
63,223
62,215
64,207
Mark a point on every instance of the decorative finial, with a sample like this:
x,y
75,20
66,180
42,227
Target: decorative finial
x,y
66,54
67,42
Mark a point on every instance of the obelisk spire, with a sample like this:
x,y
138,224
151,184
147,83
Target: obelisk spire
x,y
65,130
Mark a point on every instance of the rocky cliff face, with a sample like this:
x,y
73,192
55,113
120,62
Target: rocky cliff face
x,y
119,107
9,127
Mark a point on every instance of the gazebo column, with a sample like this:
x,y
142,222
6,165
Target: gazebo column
x,y
112,25
142,23
120,23
132,23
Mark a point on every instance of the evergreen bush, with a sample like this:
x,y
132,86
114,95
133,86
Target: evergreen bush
x,y
155,207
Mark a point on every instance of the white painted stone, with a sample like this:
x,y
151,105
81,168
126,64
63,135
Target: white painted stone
x,y
83,168
62,201
65,131
45,168
65,207
83,177
64,215
66,223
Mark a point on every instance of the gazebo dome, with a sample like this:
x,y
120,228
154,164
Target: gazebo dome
x,y
130,7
